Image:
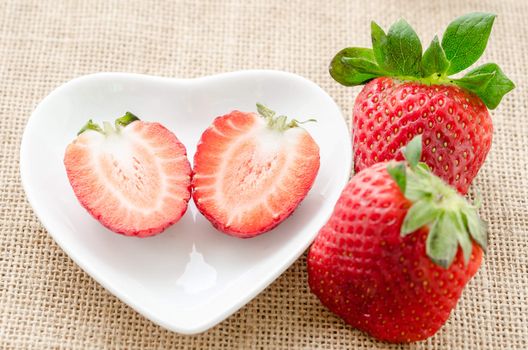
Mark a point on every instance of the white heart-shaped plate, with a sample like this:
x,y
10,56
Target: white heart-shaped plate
x,y
190,277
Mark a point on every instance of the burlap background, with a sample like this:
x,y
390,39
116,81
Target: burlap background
x,y
46,301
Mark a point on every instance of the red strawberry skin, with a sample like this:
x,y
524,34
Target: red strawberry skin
x,y
362,269
455,124
136,183
247,177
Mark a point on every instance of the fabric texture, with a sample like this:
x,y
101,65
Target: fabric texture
x,y
46,301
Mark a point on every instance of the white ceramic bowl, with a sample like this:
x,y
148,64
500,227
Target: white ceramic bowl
x,y
190,277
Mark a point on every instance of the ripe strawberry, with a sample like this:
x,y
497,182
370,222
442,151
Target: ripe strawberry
x,y
388,261
456,126
251,171
134,178
408,93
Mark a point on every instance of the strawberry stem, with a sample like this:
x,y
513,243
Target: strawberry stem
x,y
451,219
107,128
279,123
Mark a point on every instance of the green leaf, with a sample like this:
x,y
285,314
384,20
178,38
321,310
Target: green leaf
x,y
461,234
403,51
413,151
125,120
474,81
476,227
434,60
379,44
488,82
423,167
90,125
365,64
441,244
344,73
419,184
420,214
398,174
416,191
265,112
465,39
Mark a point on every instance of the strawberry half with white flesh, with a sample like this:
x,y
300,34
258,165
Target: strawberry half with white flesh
x,y
133,177
252,170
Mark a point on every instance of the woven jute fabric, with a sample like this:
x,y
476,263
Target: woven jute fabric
x,y
46,301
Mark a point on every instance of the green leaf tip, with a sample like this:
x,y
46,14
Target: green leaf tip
x,y
125,120
477,227
398,54
413,151
488,82
441,247
434,60
465,39
90,125
403,50
379,42
345,72
452,221
281,122
398,174
420,214
265,111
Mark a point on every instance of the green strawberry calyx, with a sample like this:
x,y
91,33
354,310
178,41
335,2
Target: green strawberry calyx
x,y
280,123
451,219
107,128
398,54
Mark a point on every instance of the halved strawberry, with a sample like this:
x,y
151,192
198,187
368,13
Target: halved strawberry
x,y
251,171
134,178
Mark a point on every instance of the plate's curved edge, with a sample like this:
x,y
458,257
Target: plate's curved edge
x,y
118,293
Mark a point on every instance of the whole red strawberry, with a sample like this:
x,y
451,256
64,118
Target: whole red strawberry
x,y
409,93
388,261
